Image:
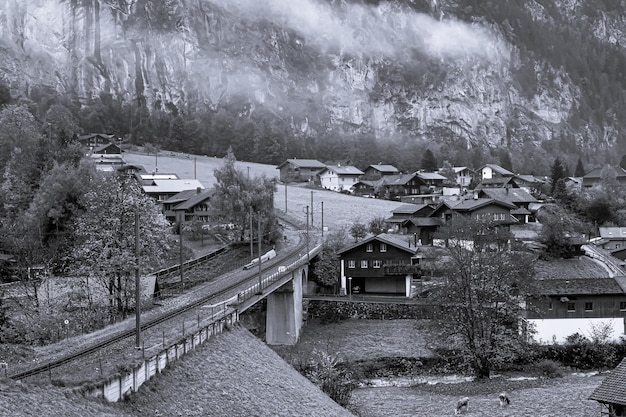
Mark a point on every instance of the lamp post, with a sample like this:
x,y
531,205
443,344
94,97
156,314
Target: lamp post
x,y
350,287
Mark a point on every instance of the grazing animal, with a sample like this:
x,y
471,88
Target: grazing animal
x,y
504,399
462,403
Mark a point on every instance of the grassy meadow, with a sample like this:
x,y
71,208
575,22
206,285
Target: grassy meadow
x,y
339,210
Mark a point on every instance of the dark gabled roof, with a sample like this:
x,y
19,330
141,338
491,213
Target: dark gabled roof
x,y
578,286
531,179
303,163
613,232
103,147
180,197
510,195
499,181
474,204
395,179
499,170
431,176
402,242
607,170
195,199
425,221
343,170
409,208
385,168
613,389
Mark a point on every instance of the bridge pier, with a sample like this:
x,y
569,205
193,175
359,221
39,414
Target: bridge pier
x,y
284,311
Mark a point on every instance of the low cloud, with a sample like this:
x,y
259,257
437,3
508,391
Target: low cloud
x,y
383,30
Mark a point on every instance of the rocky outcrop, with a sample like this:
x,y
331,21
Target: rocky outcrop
x,y
383,68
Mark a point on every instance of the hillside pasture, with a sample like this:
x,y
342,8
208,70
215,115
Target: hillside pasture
x,y
340,210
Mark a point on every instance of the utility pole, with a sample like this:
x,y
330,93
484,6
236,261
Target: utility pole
x,y
307,234
322,203
137,285
285,197
180,251
251,235
260,266
312,224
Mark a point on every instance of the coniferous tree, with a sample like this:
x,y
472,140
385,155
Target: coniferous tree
x,y
558,172
429,161
580,169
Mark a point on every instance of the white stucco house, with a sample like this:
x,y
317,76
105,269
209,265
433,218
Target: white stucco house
x,y
339,178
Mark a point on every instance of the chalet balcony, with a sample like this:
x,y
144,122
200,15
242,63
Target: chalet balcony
x,y
401,269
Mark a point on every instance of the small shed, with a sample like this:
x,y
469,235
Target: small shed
x,y
611,394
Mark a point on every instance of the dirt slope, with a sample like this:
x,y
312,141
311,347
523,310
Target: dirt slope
x,y
235,374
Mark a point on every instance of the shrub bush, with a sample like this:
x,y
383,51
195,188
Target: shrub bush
x,y
548,368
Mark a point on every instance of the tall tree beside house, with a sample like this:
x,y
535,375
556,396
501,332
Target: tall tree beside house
x,y
358,230
505,160
429,161
237,195
326,268
483,284
104,249
580,168
557,172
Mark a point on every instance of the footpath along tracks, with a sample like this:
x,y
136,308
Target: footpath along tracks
x,y
92,359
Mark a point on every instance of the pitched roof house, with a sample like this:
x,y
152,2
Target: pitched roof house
x,y
516,196
596,175
382,264
300,170
489,171
478,208
498,182
161,190
93,140
612,239
572,295
339,178
611,393
107,149
375,172
462,175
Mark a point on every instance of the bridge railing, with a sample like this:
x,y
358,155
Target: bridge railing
x,y
283,270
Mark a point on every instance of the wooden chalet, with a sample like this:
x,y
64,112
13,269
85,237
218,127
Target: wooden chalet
x,y
376,172
300,170
94,140
386,264
596,175
108,149
571,296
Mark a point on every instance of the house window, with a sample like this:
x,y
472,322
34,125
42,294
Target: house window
x,y
376,263
550,306
369,247
383,247
364,264
588,306
622,305
571,306
351,263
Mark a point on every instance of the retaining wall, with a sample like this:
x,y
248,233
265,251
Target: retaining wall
x,y
120,386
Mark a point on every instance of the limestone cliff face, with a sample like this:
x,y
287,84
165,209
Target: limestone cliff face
x,y
383,68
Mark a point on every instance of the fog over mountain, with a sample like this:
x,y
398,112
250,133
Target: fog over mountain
x,y
533,79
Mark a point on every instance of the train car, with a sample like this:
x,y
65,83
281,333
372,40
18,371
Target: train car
x,y
264,258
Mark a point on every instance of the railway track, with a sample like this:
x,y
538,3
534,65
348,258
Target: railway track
x,y
216,296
